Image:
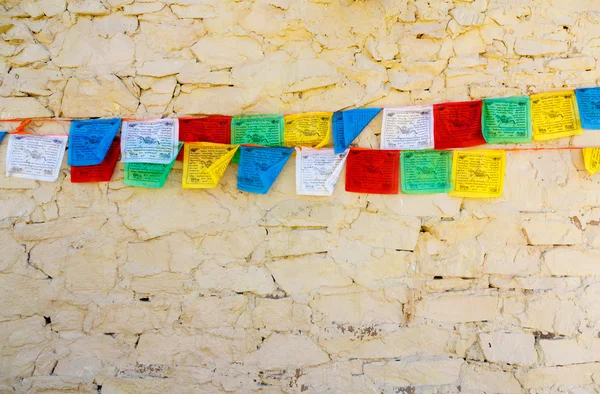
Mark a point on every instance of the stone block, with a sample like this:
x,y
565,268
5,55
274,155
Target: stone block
x,y
548,313
212,277
405,342
140,8
572,262
466,16
570,351
281,315
570,375
551,231
295,242
22,296
575,63
538,47
31,54
21,343
124,319
222,52
477,378
358,307
302,276
427,372
398,232
166,282
221,100
508,347
102,96
458,308
212,312
280,351
22,107
87,7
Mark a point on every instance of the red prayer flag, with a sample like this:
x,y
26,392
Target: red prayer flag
x,y
101,172
215,129
457,125
372,171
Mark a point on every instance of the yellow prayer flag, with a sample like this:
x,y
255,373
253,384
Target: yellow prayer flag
x,y
591,158
554,115
204,163
312,129
478,173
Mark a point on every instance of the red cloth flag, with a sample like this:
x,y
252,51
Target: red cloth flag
x,y
457,125
101,172
372,171
215,129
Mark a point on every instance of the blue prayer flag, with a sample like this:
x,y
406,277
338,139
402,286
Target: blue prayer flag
x,y
260,166
89,140
588,102
347,125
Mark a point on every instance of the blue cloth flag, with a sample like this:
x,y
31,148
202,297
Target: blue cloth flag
x,y
337,129
89,140
2,133
347,125
260,166
588,102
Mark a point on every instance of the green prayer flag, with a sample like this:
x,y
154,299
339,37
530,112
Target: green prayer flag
x,y
263,130
506,120
149,175
426,171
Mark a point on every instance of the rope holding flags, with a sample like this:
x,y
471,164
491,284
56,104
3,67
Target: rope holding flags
x,y
422,147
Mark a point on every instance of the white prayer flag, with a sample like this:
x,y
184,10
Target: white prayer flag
x,y
409,128
153,141
318,170
35,157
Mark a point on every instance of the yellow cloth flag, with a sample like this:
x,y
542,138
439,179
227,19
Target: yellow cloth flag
x,y
554,115
591,158
204,163
478,173
311,129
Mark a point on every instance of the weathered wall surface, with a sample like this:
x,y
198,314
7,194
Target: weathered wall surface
x,y
113,289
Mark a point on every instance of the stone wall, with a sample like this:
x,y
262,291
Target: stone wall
x,y
112,289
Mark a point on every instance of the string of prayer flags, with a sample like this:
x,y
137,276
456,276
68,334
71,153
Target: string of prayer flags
x,y
347,125
263,130
215,129
588,103
100,172
506,120
554,115
260,166
591,159
35,157
458,125
407,128
414,142
311,129
426,171
318,170
90,140
372,171
155,142
205,163
478,173
150,175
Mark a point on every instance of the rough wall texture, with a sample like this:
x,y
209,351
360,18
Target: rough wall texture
x,y
124,290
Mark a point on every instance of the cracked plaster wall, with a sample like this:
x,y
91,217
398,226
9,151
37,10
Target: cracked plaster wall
x,y
112,289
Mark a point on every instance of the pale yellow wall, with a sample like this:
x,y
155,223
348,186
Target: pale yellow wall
x,y
281,293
